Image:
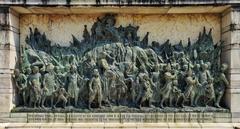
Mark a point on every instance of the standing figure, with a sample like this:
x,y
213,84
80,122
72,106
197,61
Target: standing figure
x,y
190,91
145,88
72,83
59,76
176,94
34,83
204,74
95,89
49,85
220,84
21,84
167,88
210,94
88,66
129,74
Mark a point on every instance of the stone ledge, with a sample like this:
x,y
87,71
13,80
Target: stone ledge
x,y
124,2
119,125
233,90
138,118
235,71
119,10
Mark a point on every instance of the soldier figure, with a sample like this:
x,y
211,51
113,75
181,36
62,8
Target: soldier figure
x,y
21,84
49,85
210,94
59,76
95,89
220,84
145,88
176,94
192,83
204,74
34,83
167,88
72,83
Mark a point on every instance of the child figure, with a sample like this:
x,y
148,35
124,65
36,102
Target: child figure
x,y
62,95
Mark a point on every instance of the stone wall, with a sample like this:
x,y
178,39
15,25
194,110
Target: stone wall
x,y
60,28
231,55
9,48
176,27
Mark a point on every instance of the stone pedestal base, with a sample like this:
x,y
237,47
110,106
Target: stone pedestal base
x,y
121,126
171,117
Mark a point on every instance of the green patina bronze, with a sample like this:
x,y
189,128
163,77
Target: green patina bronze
x,y
111,68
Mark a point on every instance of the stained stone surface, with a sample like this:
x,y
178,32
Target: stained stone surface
x,y
161,27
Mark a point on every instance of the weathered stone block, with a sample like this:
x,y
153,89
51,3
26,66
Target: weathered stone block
x,y
170,117
226,18
222,117
226,37
132,117
4,37
226,56
234,82
4,14
8,59
161,117
235,16
183,125
150,118
60,118
235,36
232,99
182,117
193,117
200,117
6,100
236,117
40,117
208,117
6,82
214,126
